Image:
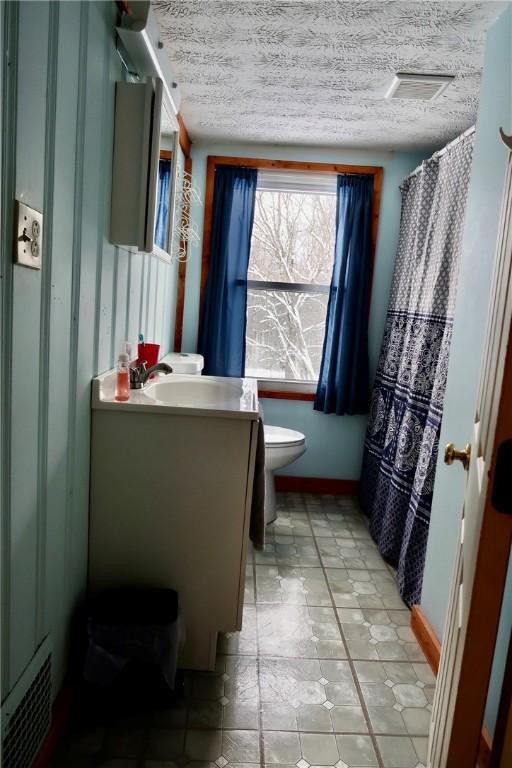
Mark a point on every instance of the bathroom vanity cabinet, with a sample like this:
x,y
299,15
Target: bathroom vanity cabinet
x,y
171,490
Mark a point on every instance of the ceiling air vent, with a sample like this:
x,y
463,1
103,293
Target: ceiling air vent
x,y
418,87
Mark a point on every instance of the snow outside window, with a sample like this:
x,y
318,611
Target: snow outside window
x,y
290,266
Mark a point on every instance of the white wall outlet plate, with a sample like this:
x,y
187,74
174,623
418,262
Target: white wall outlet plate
x,y
28,245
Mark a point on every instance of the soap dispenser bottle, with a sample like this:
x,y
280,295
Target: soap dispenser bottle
x,y
123,378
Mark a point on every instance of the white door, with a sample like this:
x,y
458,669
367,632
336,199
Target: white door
x,y
476,458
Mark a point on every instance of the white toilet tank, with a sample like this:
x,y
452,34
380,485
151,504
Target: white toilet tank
x,y
188,363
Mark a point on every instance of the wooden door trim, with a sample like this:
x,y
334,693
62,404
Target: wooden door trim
x,y
431,647
504,719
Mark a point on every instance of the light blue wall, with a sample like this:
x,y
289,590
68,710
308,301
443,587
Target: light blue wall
x,y
482,218
64,324
334,442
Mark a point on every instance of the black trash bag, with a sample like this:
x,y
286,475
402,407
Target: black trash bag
x,y
132,624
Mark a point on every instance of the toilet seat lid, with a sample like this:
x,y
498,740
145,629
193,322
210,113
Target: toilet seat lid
x,y
280,436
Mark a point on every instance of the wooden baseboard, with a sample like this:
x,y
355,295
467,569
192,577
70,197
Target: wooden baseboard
x,y
61,716
431,647
329,485
426,637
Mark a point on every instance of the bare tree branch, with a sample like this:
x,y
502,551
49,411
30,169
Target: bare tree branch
x,y
293,241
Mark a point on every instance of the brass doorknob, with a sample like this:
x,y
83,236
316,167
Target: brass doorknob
x,y
451,454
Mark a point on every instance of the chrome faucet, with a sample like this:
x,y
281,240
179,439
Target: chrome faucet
x,y
139,375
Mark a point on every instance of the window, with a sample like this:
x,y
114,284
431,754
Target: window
x,y
290,268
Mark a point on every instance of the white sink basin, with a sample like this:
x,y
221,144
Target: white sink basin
x,y
194,391
212,396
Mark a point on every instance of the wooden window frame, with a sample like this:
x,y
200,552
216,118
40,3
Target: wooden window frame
x,y
290,165
185,144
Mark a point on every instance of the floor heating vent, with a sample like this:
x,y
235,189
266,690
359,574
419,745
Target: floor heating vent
x,y
26,713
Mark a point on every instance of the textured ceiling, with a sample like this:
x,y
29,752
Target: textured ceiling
x,y
315,71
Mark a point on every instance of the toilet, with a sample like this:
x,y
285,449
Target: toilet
x,y
282,447
188,363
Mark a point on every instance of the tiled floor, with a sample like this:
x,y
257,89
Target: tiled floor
x,y
325,672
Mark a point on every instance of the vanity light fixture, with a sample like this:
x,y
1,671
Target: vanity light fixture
x,y
140,35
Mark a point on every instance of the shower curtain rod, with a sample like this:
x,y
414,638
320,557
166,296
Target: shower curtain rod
x,y
442,151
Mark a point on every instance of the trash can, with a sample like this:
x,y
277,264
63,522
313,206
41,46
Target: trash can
x,y
132,624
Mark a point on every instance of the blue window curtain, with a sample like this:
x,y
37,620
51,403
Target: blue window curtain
x,y
343,386
162,204
222,341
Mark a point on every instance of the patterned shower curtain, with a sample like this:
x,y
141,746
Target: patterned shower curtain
x,y
402,439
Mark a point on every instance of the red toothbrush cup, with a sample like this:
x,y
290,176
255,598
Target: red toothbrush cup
x,y
148,353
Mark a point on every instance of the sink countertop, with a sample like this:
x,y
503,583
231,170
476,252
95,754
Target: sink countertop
x,y
242,405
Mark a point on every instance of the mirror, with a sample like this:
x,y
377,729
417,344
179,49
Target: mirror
x,y
143,168
165,213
